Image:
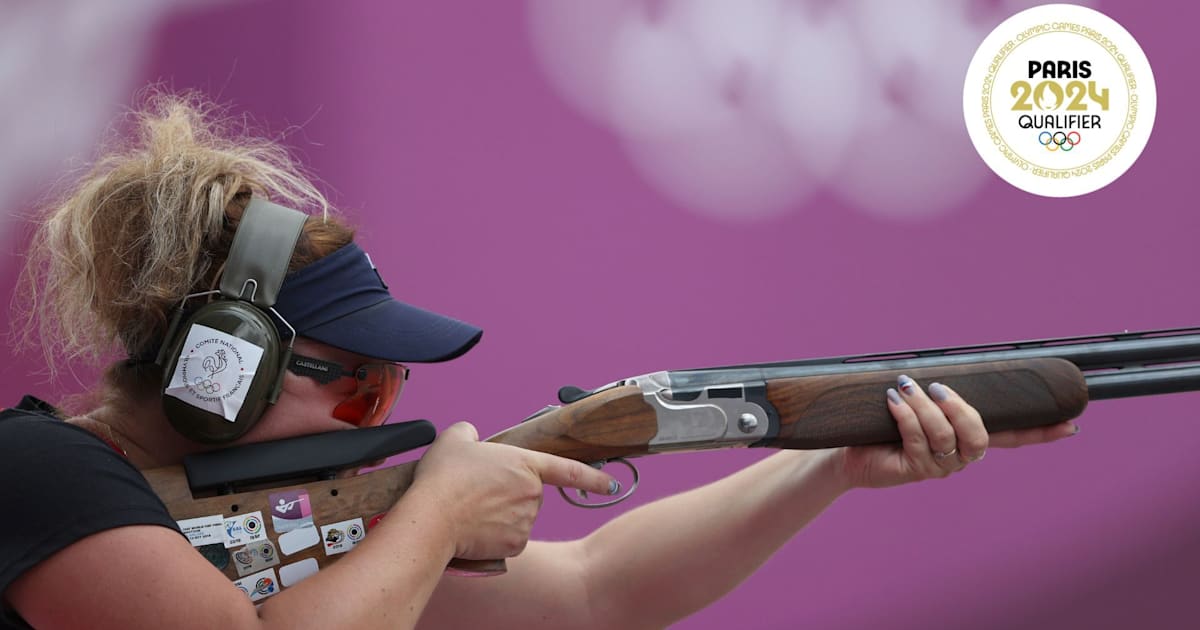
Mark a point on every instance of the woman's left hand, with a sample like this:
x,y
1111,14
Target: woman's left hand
x,y
940,435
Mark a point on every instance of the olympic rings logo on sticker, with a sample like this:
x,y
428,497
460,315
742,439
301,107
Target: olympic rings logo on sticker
x,y
214,372
208,385
1059,140
1050,73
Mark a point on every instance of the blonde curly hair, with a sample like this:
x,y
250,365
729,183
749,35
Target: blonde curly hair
x,y
152,221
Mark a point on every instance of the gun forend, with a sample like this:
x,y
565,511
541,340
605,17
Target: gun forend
x,y
645,414
849,409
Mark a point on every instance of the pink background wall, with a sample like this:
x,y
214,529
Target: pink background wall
x,y
484,193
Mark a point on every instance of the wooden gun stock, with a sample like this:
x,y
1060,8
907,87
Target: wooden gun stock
x,y
331,501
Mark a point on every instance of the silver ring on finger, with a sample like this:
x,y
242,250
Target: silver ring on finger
x,y
942,456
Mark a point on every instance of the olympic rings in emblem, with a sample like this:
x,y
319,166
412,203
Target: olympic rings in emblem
x,y
1059,140
209,386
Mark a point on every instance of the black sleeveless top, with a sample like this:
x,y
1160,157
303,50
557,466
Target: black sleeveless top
x,y
59,484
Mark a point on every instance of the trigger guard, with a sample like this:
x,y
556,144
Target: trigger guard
x,y
600,465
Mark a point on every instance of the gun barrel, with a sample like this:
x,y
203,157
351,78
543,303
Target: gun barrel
x,y
1126,362
1143,382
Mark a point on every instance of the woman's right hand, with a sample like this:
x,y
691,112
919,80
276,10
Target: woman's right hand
x,y
491,493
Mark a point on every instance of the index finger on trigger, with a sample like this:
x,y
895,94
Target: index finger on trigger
x,y
568,473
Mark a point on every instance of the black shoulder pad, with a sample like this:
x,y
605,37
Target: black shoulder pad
x,y
305,456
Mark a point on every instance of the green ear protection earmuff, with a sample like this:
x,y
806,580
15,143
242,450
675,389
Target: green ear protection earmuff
x,y
224,363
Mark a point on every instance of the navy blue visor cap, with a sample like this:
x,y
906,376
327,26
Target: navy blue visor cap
x,y
341,300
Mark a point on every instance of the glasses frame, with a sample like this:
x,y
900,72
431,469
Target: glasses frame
x,y
325,372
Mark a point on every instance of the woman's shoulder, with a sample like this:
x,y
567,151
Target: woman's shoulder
x,y
47,461
31,419
31,404
62,484
34,430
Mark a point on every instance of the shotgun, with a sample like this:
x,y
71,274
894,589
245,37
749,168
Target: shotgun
x,y
807,404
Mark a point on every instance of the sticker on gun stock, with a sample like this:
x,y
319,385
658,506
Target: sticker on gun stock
x,y
292,574
217,554
290,510
256,557
243,530
342,536
204,530
261,585
298,540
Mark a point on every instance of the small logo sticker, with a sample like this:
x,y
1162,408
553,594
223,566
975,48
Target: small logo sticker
x,y
255,557
217,554
214,371
242,530
290,510
342,537
265,586
1059,100
259,586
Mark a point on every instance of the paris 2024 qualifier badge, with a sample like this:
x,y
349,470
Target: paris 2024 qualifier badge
x,y
1059,100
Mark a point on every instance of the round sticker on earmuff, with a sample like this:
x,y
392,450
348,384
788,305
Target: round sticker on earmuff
x,y
214,371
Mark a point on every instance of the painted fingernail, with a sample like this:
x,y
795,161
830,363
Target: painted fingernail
x,y
614,486
1075,430
894,396
907,385
939,392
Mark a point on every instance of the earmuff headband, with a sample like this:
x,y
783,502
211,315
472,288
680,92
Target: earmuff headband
x,y
262,248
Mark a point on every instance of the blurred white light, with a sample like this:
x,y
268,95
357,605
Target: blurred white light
x,y
66,68
811,96
743,109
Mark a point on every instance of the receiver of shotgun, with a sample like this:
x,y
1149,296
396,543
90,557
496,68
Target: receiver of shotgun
x,y
816,403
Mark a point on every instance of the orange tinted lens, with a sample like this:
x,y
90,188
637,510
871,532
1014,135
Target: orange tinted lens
x,y
379,386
